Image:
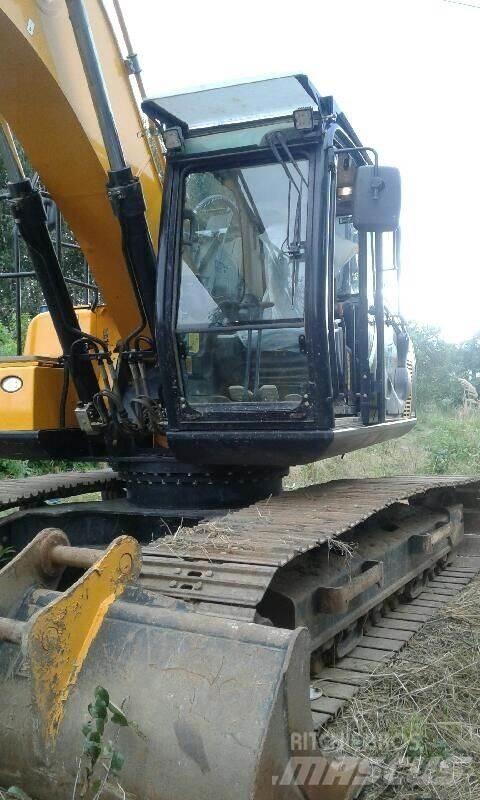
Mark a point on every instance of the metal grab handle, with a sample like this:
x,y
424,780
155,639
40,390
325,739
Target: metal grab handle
x,y
336,599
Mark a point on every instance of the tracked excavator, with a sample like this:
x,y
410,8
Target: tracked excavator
x,y
239,242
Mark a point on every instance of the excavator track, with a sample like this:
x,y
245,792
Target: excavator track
x,y
18,492
287,607
244,564
234,558
335,686
229,561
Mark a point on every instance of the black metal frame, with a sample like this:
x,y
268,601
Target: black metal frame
x,y
92,294
317,414
263,434
264,431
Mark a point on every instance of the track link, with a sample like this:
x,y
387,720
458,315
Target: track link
x,y
33,491
336,685
248,546
231,565
273,564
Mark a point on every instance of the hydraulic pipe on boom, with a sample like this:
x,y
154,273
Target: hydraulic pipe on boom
x,y
124,190
133,66
132,57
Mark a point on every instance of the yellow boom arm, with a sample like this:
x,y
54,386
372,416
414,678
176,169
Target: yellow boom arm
x,y
44,96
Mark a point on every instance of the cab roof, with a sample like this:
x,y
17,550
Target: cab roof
x,y
207,109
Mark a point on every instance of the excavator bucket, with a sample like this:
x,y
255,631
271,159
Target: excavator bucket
x,y
220,706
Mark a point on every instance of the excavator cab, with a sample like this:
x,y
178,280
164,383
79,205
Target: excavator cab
x,y
270,314
263,339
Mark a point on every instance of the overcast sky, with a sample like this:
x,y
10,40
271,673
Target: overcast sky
x,y
407,75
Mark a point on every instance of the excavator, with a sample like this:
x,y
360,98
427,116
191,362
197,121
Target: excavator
x,y
239,238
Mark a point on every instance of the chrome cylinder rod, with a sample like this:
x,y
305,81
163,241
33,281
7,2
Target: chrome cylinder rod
x,y
93,71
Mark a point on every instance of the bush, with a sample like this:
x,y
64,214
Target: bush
x,y
25,469
453,444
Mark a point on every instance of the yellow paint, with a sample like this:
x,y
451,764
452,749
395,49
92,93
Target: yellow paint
x,y
193,342
44,97
36,406
60,636
41,338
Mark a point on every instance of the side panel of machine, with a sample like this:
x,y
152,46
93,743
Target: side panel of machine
x,y
42,340
37,404
42,399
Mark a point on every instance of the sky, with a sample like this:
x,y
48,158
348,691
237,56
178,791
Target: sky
x,y
407,75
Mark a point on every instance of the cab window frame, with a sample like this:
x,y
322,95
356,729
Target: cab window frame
x,y
231,413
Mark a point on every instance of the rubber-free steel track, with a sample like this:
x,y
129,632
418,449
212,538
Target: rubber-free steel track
x,y
336,685
233,559
28,491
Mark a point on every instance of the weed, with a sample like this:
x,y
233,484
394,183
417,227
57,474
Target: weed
x,y
101,761
416,719
6,554
444,441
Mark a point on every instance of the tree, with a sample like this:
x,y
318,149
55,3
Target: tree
x,y
439,365
470,355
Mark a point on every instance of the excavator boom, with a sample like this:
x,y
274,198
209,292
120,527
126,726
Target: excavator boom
x,y
45,98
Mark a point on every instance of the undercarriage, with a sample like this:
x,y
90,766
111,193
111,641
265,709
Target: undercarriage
x,y
250,629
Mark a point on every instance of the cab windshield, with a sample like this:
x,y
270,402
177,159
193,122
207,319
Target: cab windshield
x,y
240,324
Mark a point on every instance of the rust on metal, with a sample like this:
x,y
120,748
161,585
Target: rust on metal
x,y
336,599
223,565
334,686
81,557
56,553
243,550
21,491
60,636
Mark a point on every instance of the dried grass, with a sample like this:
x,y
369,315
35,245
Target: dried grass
x,y
418,720
203,540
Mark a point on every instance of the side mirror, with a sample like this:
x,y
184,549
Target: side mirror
x,y
377,199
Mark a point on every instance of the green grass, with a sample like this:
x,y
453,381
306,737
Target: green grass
x,y
23,469
443,442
